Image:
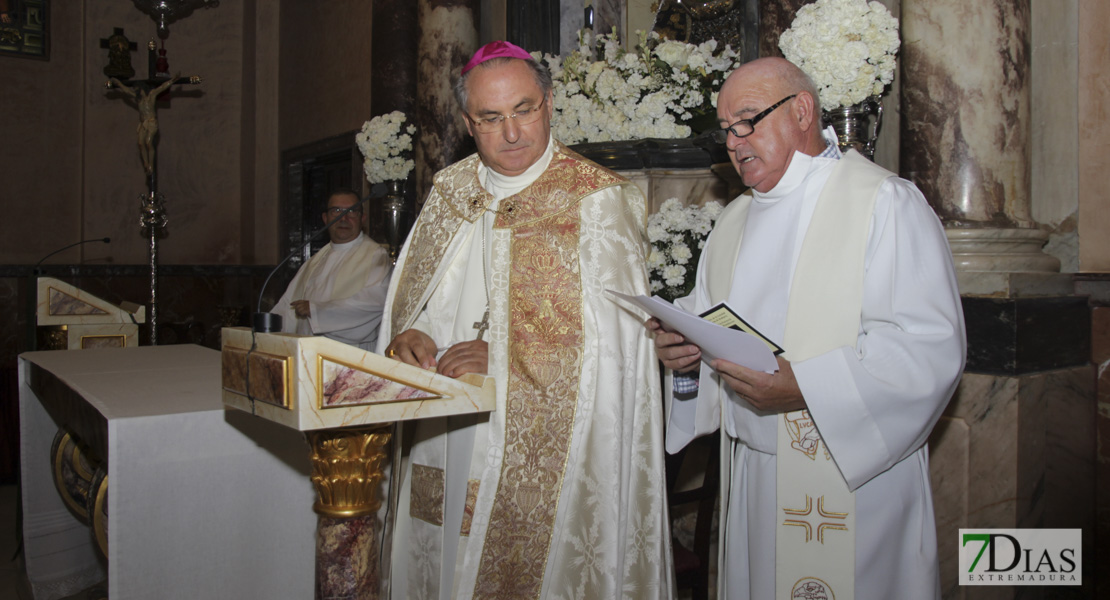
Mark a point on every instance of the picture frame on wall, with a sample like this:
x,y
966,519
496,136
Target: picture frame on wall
x,y
25,28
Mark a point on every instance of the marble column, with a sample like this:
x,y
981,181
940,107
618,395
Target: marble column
x,y
1015,447
572,18
775,17
448,36
966,132
607,15
347,472
394,47
393,87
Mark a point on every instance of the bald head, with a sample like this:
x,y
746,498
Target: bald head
x,y
794,126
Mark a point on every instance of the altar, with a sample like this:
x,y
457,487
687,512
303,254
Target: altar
x,y
203,502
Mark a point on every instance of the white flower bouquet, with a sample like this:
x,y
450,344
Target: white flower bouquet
x,y
677,234
386,146
846,46
604,93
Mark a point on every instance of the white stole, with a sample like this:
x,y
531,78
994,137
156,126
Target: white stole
x,y
815,533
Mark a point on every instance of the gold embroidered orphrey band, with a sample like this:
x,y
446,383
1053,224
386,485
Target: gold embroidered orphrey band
x,y
545,318
816,531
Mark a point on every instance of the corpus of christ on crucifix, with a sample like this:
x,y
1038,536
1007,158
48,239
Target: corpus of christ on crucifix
x,y
143,92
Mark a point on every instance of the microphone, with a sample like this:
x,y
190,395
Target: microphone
x,y
268,322
106,240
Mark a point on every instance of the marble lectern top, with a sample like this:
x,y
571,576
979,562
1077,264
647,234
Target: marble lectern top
x,y
60,303
311,383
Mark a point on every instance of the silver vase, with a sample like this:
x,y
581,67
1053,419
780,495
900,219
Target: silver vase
x,y
857,126
393,215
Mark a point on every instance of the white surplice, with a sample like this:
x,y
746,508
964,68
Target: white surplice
x,y
873,405
609,537
353,317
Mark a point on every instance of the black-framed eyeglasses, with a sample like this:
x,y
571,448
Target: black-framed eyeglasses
x,y
746,127
492,123
335,211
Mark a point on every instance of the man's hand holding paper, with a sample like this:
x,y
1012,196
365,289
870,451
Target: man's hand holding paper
x,y
769,392
757,374
714,341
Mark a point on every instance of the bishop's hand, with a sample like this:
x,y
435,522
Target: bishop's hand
x,y
465,357
413,347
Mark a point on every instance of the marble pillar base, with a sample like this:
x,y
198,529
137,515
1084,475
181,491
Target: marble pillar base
x,y
694,170
1009,336
1000,251
1014,452
1014,285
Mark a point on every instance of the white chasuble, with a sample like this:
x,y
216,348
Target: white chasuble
x,y
876,344
561,492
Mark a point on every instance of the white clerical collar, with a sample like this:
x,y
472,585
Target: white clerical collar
x,y
503,186
350,244
800,166
793,177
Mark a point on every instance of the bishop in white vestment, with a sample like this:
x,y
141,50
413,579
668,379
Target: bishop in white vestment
x,y
339,293
558,493
847,268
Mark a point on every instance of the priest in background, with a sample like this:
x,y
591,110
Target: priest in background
x,y
847,268
558,493
340,291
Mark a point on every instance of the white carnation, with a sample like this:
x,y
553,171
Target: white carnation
x,y
846,46
674,275
385,143
604,93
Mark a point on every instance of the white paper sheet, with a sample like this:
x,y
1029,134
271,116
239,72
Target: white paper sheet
x,y
715,341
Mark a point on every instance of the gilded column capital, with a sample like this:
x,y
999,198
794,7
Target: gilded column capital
x,y
347,469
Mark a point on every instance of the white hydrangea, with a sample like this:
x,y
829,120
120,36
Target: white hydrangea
x,y
677,234
604,93
847,47
386,146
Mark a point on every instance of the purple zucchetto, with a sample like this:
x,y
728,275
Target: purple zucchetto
x,y
496,49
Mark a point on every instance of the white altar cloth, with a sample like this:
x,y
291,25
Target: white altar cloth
x,y
202,502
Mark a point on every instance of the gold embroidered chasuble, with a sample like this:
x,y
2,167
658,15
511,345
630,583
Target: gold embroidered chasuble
x,y
567,496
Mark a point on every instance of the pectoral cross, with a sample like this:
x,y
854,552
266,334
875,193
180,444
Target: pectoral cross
x,y
482,325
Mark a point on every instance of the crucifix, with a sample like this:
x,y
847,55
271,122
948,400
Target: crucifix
x,y
144,93
482,325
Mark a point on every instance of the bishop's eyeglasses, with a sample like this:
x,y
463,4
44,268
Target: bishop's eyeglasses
x,y
491,123
745,127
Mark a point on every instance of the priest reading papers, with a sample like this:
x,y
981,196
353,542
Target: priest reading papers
x,y
845,264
